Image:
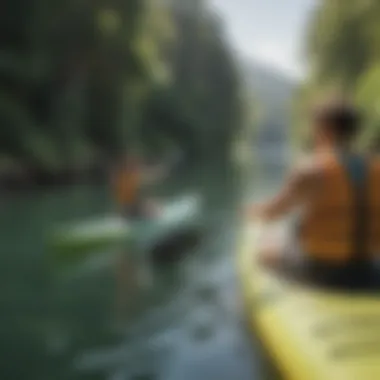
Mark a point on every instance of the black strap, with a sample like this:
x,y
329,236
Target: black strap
x,y
361,223
359,184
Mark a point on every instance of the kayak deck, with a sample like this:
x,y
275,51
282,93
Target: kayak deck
x,y
310,334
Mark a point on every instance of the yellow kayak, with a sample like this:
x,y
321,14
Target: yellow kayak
x,y
308,333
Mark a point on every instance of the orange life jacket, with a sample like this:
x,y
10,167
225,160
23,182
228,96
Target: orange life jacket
x,y
342,220
127,187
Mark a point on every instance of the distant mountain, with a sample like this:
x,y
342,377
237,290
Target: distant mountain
x,y
272,88
273,93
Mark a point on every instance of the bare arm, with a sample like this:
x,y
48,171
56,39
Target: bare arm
x,y
150,175
297,189
113,189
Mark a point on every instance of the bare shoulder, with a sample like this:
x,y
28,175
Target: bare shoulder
x,y
375,159
307,170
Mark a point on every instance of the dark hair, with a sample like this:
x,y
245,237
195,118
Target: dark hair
x,y
342,118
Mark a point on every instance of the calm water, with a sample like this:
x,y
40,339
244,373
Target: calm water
x,y
186,324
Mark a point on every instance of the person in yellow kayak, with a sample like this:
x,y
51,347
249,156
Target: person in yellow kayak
x,y
336,190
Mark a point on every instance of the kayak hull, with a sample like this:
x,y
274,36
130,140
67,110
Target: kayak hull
x,y
72,243
309,333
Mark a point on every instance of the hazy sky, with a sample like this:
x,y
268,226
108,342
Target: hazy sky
x,y
271,31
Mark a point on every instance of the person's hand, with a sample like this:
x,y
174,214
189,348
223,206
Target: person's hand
x,y
252,211
153,209
270,257
156,209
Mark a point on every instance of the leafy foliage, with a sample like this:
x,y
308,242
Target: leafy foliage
x,y
343,50
83,81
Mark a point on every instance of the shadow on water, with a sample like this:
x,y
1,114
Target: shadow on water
x,y
185,324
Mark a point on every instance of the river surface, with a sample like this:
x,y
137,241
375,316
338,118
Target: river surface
x,y
186,323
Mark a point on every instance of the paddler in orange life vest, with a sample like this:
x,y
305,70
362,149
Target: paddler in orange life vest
x,y
129,180
337,193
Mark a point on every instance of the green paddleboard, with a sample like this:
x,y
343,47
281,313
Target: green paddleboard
x,y
74,242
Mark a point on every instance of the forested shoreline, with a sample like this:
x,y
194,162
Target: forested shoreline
x,y
342,50
84,81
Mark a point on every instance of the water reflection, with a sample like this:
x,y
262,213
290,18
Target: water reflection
x,y
185,323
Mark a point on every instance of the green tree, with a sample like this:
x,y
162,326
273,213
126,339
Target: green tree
x,y
83,81
343,52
